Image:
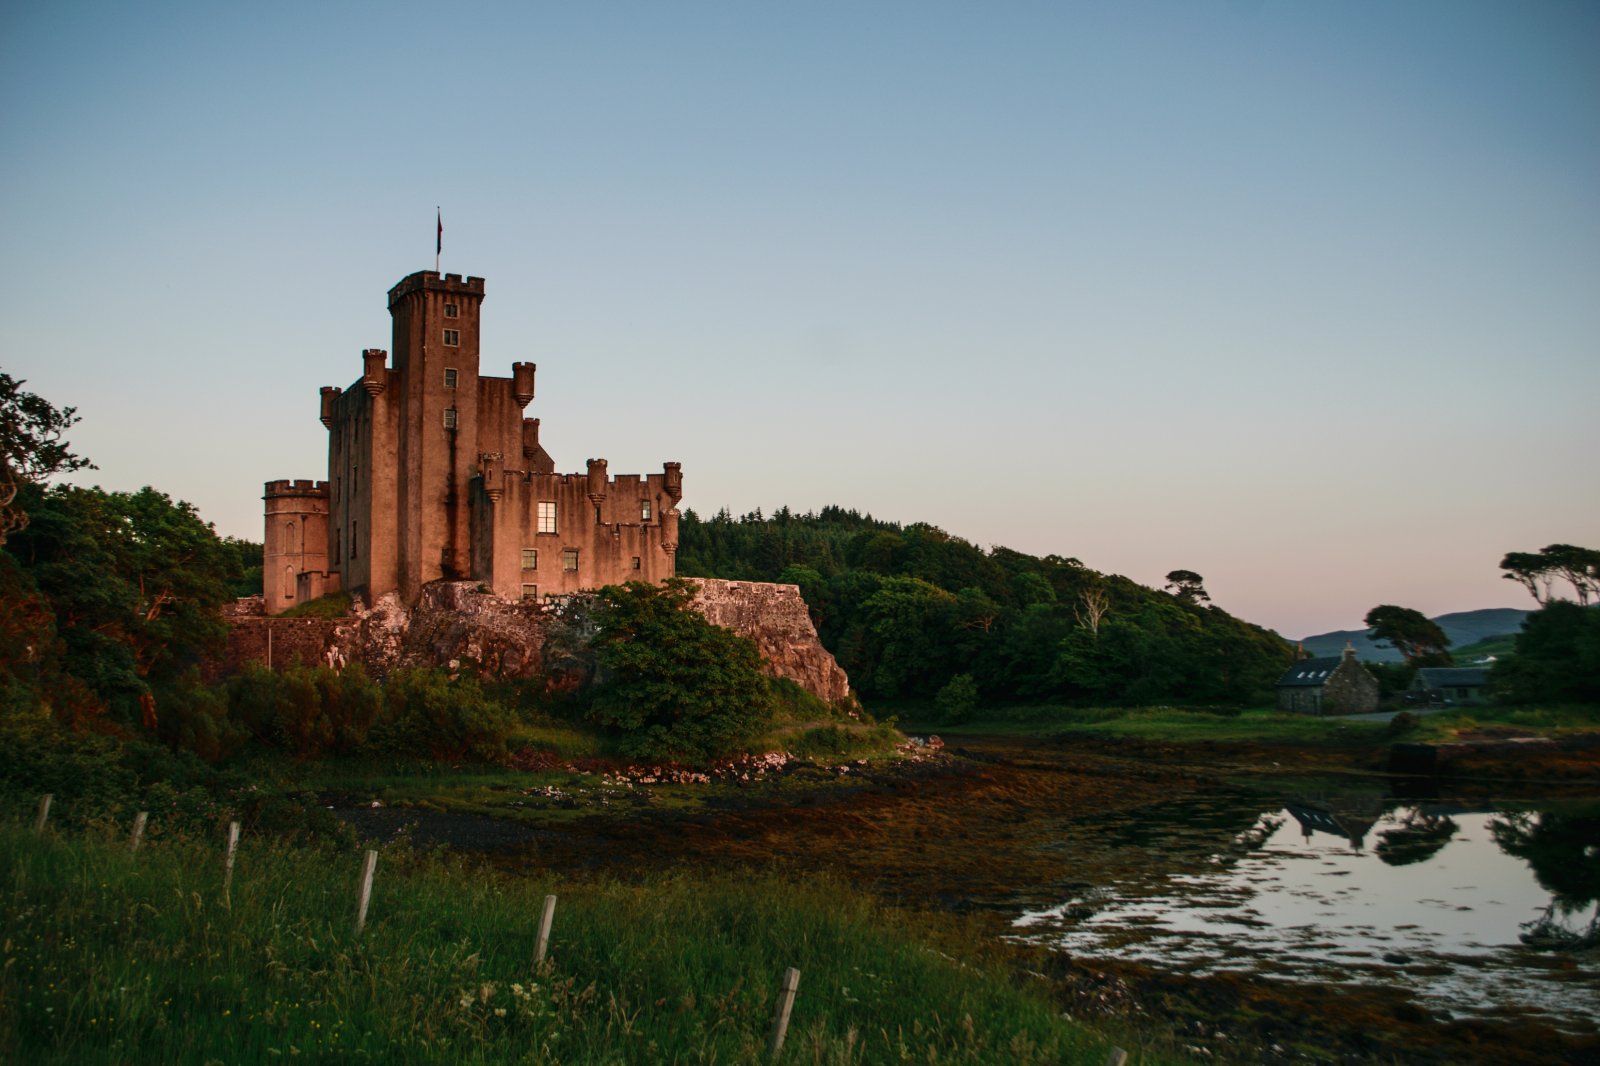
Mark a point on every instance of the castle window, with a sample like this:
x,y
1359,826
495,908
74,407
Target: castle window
x,y
636,562
449,418
449,377
288,582
530,558
569,559
451,310
452,337
644,510
530,592
547,516
354,543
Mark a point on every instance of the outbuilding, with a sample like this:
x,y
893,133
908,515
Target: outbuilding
x,y
1449,686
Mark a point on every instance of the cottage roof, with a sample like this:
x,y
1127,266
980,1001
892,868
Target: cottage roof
x,y
1310,672
1451,677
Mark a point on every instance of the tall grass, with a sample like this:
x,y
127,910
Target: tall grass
x,y
113,957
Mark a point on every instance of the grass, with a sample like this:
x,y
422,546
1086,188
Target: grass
x,y
332,605
1160,724
112,957
1524,721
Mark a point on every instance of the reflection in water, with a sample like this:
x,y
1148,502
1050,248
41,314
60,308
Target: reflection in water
x,y
1445,904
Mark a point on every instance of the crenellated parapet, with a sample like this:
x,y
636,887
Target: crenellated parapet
x,y
431,281
286,487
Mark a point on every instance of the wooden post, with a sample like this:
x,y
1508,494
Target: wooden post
x,y
1117,1057
227,865
780,1020
138,830
544,929
269,644
44,811
368,868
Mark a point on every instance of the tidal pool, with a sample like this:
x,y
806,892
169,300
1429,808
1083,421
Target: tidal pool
x,y
1473,910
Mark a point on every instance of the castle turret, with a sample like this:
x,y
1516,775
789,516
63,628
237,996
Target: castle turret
x,y
597,482
295,544
330,393
522,382
374,371
672,481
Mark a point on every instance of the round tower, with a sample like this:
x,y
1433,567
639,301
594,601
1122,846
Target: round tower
x,y
295,543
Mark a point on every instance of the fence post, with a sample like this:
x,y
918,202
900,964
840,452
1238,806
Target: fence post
x,y
1117,1057
544,929
368,868
44,811
780,1020
138,831
227,865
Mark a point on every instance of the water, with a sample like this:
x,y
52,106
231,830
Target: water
x,y
1459,907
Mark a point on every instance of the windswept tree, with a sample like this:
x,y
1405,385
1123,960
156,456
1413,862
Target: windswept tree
x,y
31,447
1411,633
1188,586
1538,571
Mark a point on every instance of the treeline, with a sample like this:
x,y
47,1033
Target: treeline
x,y
907,609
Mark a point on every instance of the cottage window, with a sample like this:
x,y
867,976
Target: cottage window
x,y
530,592
1462,693
451,310
530,559
452,338
569,559
449,377
644,510
449,418
547,516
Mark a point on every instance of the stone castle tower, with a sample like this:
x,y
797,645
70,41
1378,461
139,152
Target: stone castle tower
x,y
434,473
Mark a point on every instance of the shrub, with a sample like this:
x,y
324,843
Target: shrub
x,y
674,686
958,699
1403,723
427,713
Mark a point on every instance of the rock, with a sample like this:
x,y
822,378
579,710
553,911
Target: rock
x,y
776,619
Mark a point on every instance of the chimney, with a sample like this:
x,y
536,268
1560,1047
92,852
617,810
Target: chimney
x,y
1349,652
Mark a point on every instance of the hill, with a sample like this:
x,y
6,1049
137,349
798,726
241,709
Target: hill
x,y
1462,627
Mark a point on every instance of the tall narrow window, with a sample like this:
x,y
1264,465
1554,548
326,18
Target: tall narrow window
x,y
547,516
449,377
355,543
569,559
636,562
530,558
644,510
451,310
288,582
452,338
449,418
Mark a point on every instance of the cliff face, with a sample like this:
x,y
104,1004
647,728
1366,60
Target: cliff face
x,y
455,625
775,617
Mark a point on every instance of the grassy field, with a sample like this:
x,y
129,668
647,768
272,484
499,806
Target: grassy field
x,y
112,957
1159,724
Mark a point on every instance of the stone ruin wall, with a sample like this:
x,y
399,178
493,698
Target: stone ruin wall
x,y
455,624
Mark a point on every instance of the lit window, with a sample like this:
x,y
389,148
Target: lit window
x,y
530,592
530,559
644,510
451,310
449,418
449,377
569,559
547,516
636,562
452,337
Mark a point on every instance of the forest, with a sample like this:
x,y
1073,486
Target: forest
x,y
907,609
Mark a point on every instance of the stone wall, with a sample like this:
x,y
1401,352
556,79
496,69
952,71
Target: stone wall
x,y
775,617
1350,689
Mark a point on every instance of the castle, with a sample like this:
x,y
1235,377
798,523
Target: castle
x,y
434,473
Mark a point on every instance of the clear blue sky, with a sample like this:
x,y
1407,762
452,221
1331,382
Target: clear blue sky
x,y
1301,296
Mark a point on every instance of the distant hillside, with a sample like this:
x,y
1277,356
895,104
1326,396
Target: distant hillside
x,y
1462,627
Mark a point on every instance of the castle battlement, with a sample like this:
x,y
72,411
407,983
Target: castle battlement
x,y
295,487
430,281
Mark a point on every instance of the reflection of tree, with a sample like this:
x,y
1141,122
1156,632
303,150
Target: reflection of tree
x,y
1563,851
1416,838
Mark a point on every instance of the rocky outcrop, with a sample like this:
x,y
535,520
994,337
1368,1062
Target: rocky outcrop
x,y
775,618
456,624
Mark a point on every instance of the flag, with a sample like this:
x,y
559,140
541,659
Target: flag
x,y
439,244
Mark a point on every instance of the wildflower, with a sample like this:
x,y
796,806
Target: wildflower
x,y
499,1012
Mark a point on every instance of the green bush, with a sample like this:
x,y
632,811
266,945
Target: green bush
x,y
958,699
427,713
674,686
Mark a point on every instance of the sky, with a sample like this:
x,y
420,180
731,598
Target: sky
x,y
1304,297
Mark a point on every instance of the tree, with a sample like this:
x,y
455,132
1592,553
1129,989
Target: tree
x,y
1557,658
1415,636
1188,586
1579,567
673,685
31,447
1093,603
